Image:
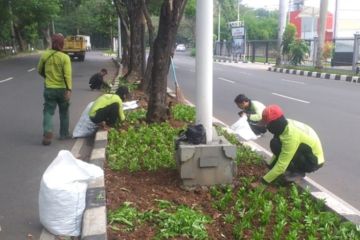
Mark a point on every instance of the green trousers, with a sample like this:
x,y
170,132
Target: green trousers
x,y
52,98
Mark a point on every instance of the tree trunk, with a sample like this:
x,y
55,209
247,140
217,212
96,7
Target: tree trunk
x,y
47,38
19,38
137,25
321,33
125,32
170,16
145,85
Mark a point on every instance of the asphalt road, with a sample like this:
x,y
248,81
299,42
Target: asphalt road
x,y
330,107
22,157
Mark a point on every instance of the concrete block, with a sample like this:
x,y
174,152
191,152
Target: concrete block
x,y
206,164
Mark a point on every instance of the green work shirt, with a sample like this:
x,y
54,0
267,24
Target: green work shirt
x,y
57,69
255,111
106,100
294,134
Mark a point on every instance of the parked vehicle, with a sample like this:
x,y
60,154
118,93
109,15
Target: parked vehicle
x,y
75,47
88,42
181,48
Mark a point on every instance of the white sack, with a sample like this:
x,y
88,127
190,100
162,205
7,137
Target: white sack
x,y
85,127
243,130
62,195
130,105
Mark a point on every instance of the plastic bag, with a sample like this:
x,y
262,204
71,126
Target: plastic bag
x,y
85,127
243,130
62,195
130,105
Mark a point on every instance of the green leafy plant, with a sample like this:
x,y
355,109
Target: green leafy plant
x,y
135,116
148,147
125,215
183,112
130,85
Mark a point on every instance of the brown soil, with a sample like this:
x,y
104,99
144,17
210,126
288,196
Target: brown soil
x,y
142,188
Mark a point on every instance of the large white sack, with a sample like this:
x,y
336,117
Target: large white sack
x,y
242,128
62,194
85,127
130,105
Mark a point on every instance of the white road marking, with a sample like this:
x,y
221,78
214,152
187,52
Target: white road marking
x,y
295,99
5,80
31,69
226,80
245,73
291,81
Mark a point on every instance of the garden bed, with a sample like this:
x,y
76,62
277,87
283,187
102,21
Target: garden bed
x,y
145,199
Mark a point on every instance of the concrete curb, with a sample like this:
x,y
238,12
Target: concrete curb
x,y
94,218
346,78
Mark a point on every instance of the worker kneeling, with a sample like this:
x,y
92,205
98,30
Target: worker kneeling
x,y
107,109
296,147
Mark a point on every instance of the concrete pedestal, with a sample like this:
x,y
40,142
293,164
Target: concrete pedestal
x,y
206,164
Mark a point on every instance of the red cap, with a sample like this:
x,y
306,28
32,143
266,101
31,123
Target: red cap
x,y
271,113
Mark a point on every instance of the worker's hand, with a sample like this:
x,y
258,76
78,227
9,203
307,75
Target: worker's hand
x,y
67,95
241,113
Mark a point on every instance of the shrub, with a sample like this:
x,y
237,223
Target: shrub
x,y
298,50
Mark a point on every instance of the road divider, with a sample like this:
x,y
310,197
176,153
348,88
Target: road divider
x,y
291,98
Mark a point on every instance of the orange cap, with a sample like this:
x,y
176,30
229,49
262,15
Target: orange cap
x,y
271,113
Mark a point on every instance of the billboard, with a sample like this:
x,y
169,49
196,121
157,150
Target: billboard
x,y
238,38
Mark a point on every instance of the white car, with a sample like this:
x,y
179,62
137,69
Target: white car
x,y
181,48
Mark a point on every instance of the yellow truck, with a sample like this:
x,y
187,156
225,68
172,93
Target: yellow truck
x,y
75,47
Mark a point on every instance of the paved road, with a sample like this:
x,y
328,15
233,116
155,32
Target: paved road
x,y
330,107
22,158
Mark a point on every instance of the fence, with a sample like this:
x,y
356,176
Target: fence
x,y
255,51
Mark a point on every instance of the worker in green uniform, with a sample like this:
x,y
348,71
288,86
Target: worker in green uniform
x,y
108,109
55,67
296,147
253,110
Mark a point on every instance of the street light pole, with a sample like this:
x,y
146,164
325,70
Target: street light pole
x,y
238,11
219,32
282,21
204,66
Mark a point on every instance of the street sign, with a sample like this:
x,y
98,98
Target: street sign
x,y
238,32
235,24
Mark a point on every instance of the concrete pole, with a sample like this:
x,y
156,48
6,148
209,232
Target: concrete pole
x,y
355,52
204,67
321,33
335,20
219,32
119,39
238,10
282,22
